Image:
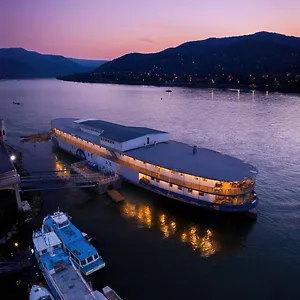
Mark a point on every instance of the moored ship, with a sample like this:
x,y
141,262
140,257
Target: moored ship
x,y
148,158
83,254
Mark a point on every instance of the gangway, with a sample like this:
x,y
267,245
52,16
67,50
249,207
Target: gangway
x,y
78,176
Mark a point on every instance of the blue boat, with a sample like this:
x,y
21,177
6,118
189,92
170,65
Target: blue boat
x,y
82,252
64,280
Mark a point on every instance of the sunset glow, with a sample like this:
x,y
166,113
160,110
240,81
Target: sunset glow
x,y
97,29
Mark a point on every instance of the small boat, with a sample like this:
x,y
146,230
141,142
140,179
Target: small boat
x,y
39,293
83,254
63,278
16,103
110,294
168,91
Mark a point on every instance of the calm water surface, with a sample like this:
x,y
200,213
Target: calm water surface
x,y
155,248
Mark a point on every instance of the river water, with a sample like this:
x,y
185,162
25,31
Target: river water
x,y
156,248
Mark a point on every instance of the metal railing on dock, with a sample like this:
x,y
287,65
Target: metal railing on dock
x,y
104,179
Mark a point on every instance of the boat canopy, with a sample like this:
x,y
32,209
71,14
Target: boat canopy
x,y
46,240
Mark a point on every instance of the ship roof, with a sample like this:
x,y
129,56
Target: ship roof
x,y
82,249
46,240
112,131
117,132
205,163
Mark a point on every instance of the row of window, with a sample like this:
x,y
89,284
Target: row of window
x,y
179,187
107,140
89,259
60,225
92,129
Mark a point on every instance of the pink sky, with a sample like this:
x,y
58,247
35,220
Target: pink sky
x,y
103,29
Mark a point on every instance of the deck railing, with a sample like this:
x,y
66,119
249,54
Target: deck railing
x,y
145,171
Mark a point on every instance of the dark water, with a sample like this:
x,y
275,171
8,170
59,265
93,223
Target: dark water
x,y
155,248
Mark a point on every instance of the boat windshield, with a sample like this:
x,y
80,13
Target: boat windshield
x,y
62,224
89,259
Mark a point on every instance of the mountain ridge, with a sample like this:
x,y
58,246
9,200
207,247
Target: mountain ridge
x,y
201,51
18,63
263,60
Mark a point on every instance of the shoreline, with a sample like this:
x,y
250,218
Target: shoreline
x,y
241,87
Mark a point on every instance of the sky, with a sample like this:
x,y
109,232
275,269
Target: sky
x,y
103,29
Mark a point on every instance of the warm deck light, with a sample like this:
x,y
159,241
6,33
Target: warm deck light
x,y
16,244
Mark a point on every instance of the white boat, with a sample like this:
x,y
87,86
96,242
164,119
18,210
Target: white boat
x,y
149,159
110,294
39,293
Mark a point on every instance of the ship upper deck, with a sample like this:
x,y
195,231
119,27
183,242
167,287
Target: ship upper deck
x,y
204,163
177,156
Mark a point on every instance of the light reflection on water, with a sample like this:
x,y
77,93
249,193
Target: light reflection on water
x,y
60,166
200,240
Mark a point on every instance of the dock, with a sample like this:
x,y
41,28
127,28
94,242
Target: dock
x,y
115,195
91,174
9,178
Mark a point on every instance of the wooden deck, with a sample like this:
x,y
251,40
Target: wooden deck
x,y
115,195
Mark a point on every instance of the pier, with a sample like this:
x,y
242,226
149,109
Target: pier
x,y
80,175
9,178
90,173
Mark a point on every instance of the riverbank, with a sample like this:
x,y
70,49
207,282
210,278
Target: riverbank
x,y
36,138
294,89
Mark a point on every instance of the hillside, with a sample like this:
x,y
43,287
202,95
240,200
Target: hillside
x,y
17,63
259,53
267,61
